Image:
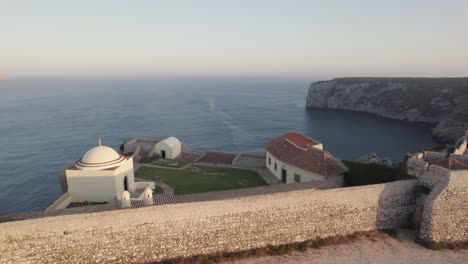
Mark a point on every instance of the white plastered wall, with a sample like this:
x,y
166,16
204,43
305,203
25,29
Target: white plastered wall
x,y
172,149
305,176
100,185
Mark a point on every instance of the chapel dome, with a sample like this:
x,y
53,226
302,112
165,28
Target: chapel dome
x,y
99,158
100,154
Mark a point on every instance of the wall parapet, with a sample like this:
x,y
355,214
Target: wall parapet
x,y
181,230
445,215
61,203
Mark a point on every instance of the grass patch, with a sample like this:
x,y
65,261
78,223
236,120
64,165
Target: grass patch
x,y
199,179
364,173
158,190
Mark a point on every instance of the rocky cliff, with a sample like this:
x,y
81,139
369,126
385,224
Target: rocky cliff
x,y
442,102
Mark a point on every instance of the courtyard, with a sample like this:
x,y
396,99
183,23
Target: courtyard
x,y
200,179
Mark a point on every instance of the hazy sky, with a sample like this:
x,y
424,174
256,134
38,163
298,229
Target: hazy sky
x,y
323,38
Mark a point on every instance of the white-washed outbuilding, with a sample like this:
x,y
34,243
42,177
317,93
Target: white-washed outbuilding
x,y
169,148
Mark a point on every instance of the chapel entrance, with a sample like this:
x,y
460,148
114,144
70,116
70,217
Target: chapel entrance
x,y
125,182
163,154
283,175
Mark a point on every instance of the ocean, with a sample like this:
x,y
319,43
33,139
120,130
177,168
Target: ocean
x,y
48,123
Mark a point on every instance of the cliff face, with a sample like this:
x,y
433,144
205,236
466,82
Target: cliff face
x,y
439,101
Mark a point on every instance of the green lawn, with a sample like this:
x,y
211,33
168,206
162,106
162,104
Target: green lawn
x,y
199,179
172,164
158,190
364,174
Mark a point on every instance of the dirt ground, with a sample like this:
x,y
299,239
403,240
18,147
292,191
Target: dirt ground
x,y
387,249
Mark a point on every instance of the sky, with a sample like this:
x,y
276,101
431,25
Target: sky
x,y
284,38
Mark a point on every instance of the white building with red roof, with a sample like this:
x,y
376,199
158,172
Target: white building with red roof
x,y
294,157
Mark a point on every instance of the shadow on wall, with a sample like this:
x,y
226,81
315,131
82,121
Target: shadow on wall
x,y
396,205
426,219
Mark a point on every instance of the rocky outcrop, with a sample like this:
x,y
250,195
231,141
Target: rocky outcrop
x,y
374,159
442,102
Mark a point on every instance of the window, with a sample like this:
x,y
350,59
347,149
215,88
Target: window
x,y
269,161
297,177
276,166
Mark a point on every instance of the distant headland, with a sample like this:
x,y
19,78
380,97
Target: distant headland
x,y
437,101
3,78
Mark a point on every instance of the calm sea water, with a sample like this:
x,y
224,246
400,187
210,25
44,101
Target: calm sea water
x,y
48,123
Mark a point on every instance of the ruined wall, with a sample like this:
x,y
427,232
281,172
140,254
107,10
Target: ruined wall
x,y
168,231
445,215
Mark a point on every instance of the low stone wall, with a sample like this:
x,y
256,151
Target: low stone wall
x,y
179,230
416,167
428,175
435,155
445,215
130,146
434,176
61,203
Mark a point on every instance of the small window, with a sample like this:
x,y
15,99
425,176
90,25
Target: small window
x,y
297,177
269,161
276,166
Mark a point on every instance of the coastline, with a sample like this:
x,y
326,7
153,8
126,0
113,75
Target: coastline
x,y
438,102
430,125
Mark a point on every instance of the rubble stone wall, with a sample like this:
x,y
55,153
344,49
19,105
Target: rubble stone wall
x,y
445,215
179,230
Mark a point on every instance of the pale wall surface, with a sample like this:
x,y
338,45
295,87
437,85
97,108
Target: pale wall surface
x,y
168,231
306,176
462,148
171,147
92,189
100,185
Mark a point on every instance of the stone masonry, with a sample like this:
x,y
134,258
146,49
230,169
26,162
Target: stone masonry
x,y
179,230
445,214
442,207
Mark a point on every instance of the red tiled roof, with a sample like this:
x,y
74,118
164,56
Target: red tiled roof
x,y
310,159
300,140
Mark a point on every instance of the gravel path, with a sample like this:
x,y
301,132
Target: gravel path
x,y
385,250
167,190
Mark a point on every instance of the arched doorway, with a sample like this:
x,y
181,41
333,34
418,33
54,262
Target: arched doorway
x,y
125,184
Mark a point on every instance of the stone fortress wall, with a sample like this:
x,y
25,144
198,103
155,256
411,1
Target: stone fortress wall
x,y
180,230
168,231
